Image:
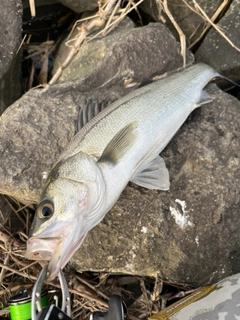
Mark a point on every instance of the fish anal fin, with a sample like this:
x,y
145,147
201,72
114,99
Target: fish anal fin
x,y
205,98
152,174
119,144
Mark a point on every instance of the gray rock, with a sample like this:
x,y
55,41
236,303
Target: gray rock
x,y
191,233
80,6
37,3
42,122
33,132
75,5
87,58
120,55
152,8
10,61
216,51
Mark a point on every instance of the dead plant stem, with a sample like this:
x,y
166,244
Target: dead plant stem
x,y
179,30
97,22
213,18
82,294
3,269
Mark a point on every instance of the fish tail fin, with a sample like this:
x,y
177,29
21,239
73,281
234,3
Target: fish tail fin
x,y
218,75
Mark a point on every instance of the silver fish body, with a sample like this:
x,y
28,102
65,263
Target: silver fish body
x,y
121,144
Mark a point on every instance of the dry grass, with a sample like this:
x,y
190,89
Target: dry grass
x,y
108,17
90,292
110,13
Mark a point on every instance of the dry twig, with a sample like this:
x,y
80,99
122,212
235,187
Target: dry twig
x,y
32,8
9,239
118,19
98,292
210,21
182,36
214,25
107,17
16,212
97,22
17,288
213,19
3,269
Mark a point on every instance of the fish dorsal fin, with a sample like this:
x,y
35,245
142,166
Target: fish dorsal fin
x,y
119,144
204,98
152,174
87,112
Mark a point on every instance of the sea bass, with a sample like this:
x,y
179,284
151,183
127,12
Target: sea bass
x,y
120,144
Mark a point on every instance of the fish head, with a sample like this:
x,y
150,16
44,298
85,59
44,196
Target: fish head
x,y
72,204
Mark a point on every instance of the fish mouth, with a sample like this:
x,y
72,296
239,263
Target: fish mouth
x,y
58,248
42,248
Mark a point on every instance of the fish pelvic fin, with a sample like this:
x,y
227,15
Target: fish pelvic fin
x,y
152,175
119,144
204,98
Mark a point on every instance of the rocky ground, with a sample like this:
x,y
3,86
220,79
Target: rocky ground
x,y
140,250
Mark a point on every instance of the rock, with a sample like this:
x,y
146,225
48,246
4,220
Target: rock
x,y
191,233
42,122
152,8
75,5
80,6
87,59
10,60
217,52
39,126
191,23
38,3
121,59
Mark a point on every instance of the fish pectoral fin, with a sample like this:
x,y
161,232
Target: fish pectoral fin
x,y
204,98
119,144
152,175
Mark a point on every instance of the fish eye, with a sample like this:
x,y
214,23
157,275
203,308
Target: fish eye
x,y
45,209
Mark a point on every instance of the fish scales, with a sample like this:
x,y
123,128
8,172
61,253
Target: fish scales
x,y
139,105
120,144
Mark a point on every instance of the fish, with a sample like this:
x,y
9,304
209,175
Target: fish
x,y
121,143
